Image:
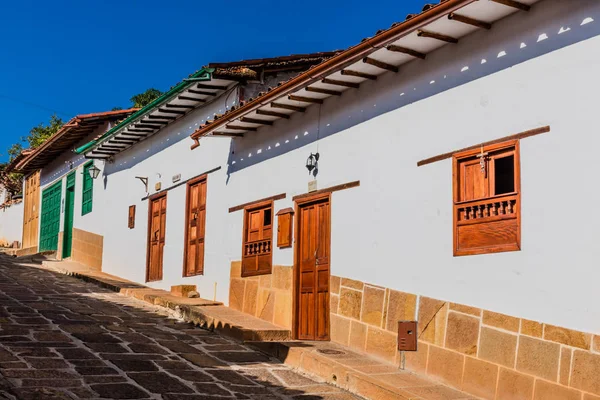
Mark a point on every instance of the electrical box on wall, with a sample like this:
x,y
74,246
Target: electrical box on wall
x,y
407,335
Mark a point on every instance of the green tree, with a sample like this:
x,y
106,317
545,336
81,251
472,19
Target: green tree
x,y
14,151
39,134
143,99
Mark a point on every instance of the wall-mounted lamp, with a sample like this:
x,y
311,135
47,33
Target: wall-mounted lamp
x,y
94,171
311,162
70,164
144,181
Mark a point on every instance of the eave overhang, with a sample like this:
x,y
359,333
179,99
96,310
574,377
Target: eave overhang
x,y
439,25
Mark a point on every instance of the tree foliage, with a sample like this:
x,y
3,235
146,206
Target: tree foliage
x,y
143,99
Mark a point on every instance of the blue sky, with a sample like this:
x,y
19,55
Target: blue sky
x,y
75,57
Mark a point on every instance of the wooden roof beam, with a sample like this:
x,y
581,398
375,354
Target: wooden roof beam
x,y
323,91
341,83
188,98
272,114
513,4
469,21
160,117
404,50
380,64
193,91
349,72
288,107
187,106
162,110
240,128
214,87
437,36
227,134
305,99
256,121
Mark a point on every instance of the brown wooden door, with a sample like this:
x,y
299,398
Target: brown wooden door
x,y
312,315
156,238
31,211
196,217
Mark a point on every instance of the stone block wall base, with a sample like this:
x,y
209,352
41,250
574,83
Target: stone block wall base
x,y
182,290
87,248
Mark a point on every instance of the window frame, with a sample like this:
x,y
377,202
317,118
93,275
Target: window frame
x,y
458,159
86,177
247,210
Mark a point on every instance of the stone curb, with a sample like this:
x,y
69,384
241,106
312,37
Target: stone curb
x,y
308,361
199,314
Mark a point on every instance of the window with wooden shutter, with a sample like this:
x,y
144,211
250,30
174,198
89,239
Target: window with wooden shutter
x,y
487,202
284,227
131,219
88,189
258,239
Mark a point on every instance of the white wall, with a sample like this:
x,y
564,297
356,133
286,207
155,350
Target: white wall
x,y
58,170
395,230
11,223
160,158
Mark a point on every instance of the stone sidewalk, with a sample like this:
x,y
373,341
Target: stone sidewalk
x,y
328,362
62,338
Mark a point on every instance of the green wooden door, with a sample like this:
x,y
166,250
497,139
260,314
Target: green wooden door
x,y
50,224
69,213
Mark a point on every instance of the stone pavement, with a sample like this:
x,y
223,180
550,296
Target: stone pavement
x,y
61,338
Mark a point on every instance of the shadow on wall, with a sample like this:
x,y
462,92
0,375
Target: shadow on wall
x,y
549,26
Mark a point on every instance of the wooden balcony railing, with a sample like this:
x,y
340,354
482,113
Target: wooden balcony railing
x,y
257,248
483,210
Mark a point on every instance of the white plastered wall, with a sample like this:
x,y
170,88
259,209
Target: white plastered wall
x,y
395,230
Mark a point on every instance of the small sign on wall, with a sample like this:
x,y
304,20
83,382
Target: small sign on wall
x,y
176,178
312,186
157,186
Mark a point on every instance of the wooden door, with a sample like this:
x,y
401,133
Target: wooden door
x,y
194,235
31,211
156,238
50,225
69,215
313,253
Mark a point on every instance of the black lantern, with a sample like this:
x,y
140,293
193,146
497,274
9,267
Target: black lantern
x,y
94,171
311,162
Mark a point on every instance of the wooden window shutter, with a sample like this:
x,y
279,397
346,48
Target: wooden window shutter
x,y
131,219
487,200
88,190
284,227
258,238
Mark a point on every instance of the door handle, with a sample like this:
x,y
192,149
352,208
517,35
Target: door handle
x,y
156,235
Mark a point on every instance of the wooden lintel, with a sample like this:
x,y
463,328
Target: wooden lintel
x,y
327,190
514,4
323,91
271,198
518,136
404,50
227,134
201,92
240,128
256,121
213,87
272,114
349,72
341,83
437,36
305,99
380,64
470,21
288,107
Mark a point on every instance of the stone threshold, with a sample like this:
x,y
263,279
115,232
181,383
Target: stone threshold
x,y
208,314
357,372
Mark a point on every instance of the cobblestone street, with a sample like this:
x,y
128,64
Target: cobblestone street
x,y
62,338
